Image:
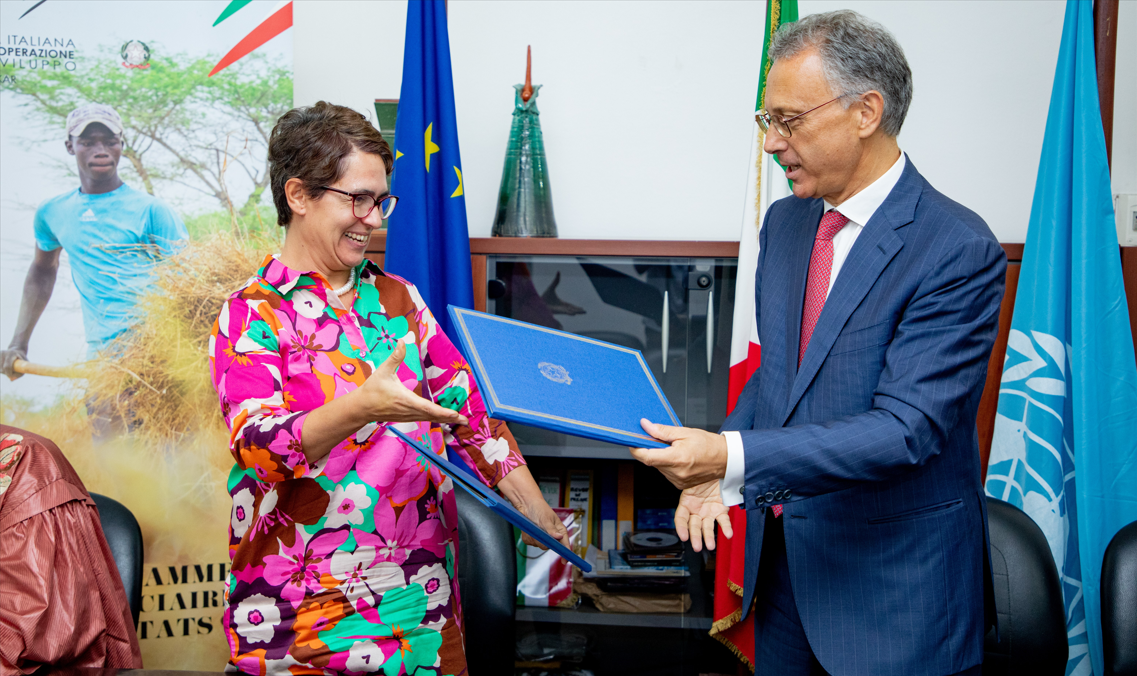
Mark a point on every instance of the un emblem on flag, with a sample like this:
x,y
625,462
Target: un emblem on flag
x,y
1031,454
555,373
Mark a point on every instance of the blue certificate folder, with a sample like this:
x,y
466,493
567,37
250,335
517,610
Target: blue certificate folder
x,y
495,502
561,381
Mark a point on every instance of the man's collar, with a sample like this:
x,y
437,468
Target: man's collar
x,y
860,207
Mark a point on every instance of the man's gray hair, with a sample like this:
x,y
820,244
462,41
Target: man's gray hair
x,y
858,55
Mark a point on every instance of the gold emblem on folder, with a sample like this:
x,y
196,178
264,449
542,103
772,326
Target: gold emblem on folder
x,y
555,373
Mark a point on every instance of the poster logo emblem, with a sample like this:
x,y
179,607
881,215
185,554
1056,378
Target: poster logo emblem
x,y
135,54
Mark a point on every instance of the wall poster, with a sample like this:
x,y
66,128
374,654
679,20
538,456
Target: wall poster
x,y
132,155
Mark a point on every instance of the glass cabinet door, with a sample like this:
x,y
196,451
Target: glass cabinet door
x,y
710,316
676,311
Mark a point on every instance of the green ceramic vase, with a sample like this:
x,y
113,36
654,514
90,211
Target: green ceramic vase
x,y
525,200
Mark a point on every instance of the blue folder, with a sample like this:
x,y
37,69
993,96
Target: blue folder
x,y
561,381
494,501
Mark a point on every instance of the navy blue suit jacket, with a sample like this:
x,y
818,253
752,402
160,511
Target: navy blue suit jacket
x,y
871,446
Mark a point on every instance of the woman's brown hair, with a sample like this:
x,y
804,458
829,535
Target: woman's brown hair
x,y
311,143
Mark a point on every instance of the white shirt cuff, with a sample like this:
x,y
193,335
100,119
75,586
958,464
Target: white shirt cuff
x,y
730,486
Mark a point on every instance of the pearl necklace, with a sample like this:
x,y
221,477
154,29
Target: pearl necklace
x,y
346,287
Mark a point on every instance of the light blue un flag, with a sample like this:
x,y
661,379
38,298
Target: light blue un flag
x,y
1064,448
427,240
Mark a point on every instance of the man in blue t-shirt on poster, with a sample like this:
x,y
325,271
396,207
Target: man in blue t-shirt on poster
x,y
112,233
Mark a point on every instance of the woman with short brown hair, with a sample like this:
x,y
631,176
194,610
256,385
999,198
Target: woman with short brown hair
x,y
343,541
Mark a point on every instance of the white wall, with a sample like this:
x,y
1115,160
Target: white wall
x,y
1124,172
647,108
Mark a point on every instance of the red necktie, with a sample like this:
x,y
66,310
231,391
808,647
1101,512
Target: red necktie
x,y
817,284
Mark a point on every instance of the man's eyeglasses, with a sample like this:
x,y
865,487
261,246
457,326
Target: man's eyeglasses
x,y
765,120
362,203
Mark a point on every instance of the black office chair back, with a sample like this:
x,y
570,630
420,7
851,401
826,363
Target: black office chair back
x,y
1119,603
487,576
1028,598
125,540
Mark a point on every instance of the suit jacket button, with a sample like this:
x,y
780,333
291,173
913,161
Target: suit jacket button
x,y
758,501
778,495
770,496
786,496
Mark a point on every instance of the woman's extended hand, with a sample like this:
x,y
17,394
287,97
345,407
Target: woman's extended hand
x,y
381,398
522,491
388,400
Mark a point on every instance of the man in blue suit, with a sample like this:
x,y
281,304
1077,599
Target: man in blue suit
x,y
854,448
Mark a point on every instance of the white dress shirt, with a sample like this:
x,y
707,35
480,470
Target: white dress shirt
x,y
858,209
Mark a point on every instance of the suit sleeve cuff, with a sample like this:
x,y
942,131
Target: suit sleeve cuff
x,y
730,486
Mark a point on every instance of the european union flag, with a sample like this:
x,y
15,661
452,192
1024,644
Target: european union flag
x,y
1064,449
427,240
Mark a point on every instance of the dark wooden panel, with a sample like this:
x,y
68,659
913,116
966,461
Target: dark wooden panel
x,y
602,247
990,400
1105,57
478,268
552,246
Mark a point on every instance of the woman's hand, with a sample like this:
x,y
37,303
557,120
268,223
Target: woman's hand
x,y
387,400
543,515
523,492
381,398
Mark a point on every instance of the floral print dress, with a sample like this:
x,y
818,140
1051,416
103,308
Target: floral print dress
x,y
346,565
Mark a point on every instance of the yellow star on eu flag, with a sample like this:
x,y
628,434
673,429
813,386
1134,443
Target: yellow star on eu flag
x,y
457,191
431,146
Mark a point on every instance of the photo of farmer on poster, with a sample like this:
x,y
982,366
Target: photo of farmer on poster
x,y
113,234
134,200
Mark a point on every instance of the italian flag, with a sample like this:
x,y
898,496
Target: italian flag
x,y
765,184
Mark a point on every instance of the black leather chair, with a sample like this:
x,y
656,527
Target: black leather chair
x,y
125,540
1119,603
487,576
1031,635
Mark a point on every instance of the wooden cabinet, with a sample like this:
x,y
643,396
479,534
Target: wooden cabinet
x,y
674,302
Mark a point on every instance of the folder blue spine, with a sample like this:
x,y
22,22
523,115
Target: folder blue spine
x,y
492,500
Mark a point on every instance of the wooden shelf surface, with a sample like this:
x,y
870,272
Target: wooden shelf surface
x,y
590,615
554,246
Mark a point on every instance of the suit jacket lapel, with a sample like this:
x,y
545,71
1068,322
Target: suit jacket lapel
x,y
877,244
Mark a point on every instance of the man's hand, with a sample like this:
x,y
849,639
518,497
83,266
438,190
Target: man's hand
x,y
694,458
8,361
700,507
